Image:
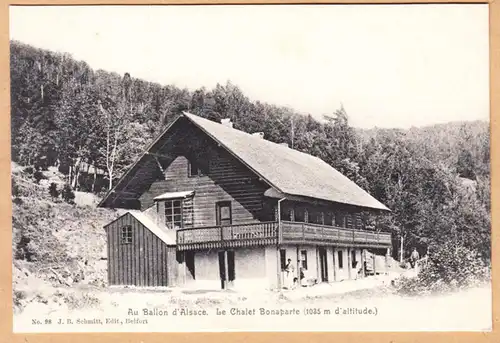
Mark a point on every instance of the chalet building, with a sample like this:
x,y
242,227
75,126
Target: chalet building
x,y
210,206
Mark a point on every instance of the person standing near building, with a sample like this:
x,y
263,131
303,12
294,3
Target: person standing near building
x,y
289,274
414,257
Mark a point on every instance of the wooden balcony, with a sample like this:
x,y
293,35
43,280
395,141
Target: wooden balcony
x,y
306,233
267,233
229,236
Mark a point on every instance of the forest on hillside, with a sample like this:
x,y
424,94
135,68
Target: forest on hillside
x,y
436,179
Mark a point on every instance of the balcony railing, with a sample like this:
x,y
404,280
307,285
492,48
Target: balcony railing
x,y
297,232
266,233
228,236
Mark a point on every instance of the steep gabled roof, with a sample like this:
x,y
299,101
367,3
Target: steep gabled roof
x,y
288,171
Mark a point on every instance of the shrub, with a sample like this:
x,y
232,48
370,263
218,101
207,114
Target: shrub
x,y
81,300
53,191
29,170
14,188
450,267
38,175
67,194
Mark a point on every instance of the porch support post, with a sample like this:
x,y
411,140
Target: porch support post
x,y
298,267
363,262
279,241
387,256
334,264
349,262
278,269
226,273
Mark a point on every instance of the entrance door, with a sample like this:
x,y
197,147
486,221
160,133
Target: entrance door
x,y
323,264
226,269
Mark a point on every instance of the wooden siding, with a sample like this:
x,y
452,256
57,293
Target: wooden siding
x,y
147,261
226,180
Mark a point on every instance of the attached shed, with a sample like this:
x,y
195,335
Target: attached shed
x,y
140,252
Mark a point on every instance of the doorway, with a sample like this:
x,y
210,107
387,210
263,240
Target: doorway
x,y
323,264
226,269
223,213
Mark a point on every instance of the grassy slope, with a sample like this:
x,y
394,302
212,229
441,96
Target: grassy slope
x,y
54,243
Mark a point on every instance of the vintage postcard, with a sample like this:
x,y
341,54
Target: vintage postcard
x,y
250,168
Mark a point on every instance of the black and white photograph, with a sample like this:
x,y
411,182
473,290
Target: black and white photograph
x,y
241,168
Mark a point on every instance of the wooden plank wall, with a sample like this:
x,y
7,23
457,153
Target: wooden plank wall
x,y
147,261
227,180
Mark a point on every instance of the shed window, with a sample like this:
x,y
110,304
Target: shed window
x,y
126,237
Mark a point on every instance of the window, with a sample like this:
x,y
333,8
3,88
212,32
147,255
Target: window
x,y
300,215
339,220
316,217
283,258
286,213
341,259
173,214
223,210
329,219
348,221
195,169
358,221
127,234
178,212
303,259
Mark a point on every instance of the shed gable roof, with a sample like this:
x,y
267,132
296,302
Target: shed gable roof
x,y
289,171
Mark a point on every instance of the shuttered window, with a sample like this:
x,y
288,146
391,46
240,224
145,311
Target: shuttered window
x,y
348,221
358,220
187,213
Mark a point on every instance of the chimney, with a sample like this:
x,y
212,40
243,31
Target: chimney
x,y
258,134
227,122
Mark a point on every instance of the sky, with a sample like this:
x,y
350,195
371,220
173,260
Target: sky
x,y
388,65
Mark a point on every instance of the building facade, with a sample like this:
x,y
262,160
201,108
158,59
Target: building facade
x,y
214,207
